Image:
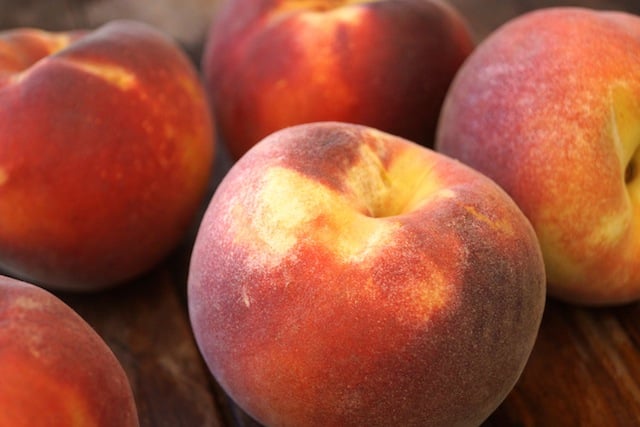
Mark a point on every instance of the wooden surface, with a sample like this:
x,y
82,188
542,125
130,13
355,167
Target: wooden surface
x,y
584,370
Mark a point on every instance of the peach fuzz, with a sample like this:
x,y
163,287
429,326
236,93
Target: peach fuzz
x,y
106,149
269,64
55,370
345,276
549,107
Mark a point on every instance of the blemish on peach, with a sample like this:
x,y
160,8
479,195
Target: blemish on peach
x,y
245,297
496,225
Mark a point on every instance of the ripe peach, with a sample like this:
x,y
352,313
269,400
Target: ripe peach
x,y
55,370
345,276
274,63
548,106
106,150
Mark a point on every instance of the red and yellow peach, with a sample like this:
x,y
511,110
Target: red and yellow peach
x,y
55,370
106,148
549,107
270,64
345,276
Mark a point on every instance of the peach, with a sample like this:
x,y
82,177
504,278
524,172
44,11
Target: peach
x,y
55,370
270,64
345,276
106,149
549,107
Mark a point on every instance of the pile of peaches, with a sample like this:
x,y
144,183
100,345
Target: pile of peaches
x,y
401,202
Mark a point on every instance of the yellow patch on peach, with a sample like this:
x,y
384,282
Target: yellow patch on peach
x,y
625,116
370,184
55,42
113,74
633,189
414,182
429,297
610,230
401,187
288,202
625,119
421,298
501,225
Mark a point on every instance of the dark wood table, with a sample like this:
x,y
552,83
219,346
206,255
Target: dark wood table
x,y
584,369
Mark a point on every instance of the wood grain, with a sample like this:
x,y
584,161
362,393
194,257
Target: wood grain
x,y
584,370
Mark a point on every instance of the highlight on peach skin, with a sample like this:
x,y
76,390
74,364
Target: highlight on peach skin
x,y
270,64
55,370
549,107
345,276
106,148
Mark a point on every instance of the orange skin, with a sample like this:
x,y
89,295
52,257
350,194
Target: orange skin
x,y
319,298
106,150
385,64
56,371
535,108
